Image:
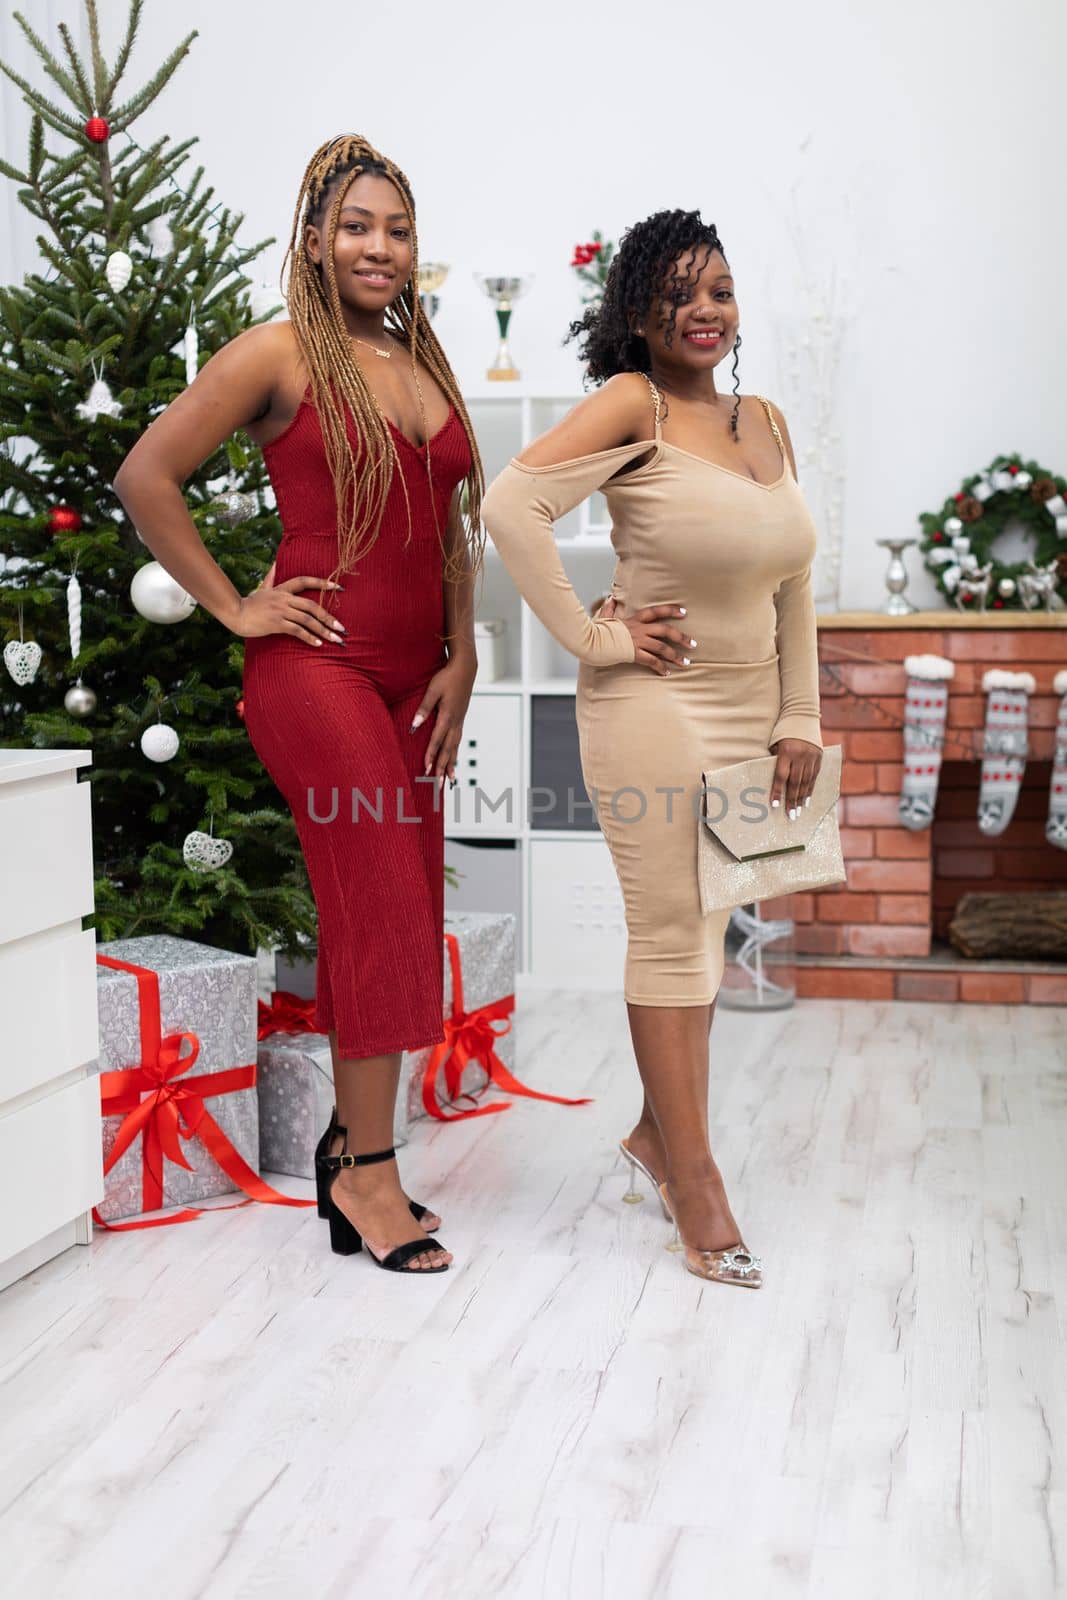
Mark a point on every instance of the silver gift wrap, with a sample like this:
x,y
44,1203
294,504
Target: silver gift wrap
x,y
487,964
296,1070
202,990
295,1083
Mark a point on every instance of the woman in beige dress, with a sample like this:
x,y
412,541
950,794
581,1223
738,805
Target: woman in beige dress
x,y
704,654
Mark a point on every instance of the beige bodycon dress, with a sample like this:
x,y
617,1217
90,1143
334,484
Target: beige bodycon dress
x,y
737,554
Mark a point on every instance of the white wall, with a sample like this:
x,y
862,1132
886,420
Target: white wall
x,y
902,148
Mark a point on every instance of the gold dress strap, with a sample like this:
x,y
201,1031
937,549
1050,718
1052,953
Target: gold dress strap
x,y
655,400
766,404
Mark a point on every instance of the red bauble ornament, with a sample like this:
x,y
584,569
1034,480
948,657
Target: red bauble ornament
x,y
240,709
937,537
998,605
64,519
97,129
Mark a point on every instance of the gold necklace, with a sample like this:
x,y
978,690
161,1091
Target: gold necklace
x,y
386,355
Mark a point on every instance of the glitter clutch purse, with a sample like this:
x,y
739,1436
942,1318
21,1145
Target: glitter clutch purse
x,y
748,852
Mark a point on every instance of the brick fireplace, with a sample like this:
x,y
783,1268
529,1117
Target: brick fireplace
x,y
884,935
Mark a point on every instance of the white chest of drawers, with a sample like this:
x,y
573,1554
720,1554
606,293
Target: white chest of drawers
x,y
50,1161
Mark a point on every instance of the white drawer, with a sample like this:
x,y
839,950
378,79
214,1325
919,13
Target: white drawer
x,y
488,796
51,1167
46,855
48,1000
577,918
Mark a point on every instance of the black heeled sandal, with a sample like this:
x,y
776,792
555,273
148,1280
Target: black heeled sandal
x,y
322,1177
345,1237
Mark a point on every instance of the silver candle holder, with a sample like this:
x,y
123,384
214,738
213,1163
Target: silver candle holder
x,y
896,578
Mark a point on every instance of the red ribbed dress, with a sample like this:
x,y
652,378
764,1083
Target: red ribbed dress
x,y
331,725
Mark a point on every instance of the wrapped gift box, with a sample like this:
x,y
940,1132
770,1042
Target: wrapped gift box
x,y
486,947
295,1070
295,1085
204,992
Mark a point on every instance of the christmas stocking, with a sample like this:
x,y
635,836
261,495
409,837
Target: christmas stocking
x,y
1056,826
1006,718
925,708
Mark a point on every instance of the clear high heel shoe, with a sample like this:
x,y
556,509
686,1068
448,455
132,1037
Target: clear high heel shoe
x,y
633,1197
735,1264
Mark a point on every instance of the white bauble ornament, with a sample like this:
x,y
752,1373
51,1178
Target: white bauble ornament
x,y
157,597
119,271
953,525
101,403
1023,480
263,300
22,657
159,742
234,507
74,614
80,701
1006,588
203,853
160,236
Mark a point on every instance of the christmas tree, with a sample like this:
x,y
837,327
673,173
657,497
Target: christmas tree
x,y
142,278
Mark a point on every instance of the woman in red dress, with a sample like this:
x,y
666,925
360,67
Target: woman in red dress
x,y
360,658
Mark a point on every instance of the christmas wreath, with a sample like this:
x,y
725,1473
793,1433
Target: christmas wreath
x,y
958,541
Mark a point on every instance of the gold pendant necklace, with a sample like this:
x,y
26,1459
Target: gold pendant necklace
x,y
386,355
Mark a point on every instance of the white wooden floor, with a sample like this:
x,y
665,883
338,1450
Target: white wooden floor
x,y
226,1409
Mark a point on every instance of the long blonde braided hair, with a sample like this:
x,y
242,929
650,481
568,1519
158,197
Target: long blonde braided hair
x,y
338,385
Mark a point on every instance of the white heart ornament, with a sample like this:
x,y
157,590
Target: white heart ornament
x,y
203,853
22,657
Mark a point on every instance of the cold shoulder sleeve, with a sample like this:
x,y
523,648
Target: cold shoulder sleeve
x,y
519,510
798,661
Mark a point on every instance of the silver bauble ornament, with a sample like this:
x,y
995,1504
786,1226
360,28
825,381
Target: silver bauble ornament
x,y
80,700
156,595
119,271
159,742
1006,588
22,657
953,525
203,853
234,507
1023,480
160,236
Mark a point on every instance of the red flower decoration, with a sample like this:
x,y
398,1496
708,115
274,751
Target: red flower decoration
x,y
594,249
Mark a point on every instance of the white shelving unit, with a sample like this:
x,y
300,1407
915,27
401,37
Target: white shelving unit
x,y
50,1155
572,931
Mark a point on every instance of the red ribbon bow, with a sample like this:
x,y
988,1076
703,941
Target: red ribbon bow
x,y
172,1109
471,1036
287,1013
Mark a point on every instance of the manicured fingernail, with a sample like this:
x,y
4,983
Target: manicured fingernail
x,y
794,814
693,643
681,611
774,803
686,661
807,799
419,718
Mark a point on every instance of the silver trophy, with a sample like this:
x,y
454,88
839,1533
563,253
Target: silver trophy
x,y
431,276
503,292
896,578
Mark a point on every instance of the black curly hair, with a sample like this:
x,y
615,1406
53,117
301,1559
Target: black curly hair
x,y
642,273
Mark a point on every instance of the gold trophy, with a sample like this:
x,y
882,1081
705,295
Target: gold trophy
x,y
504,292
431,276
